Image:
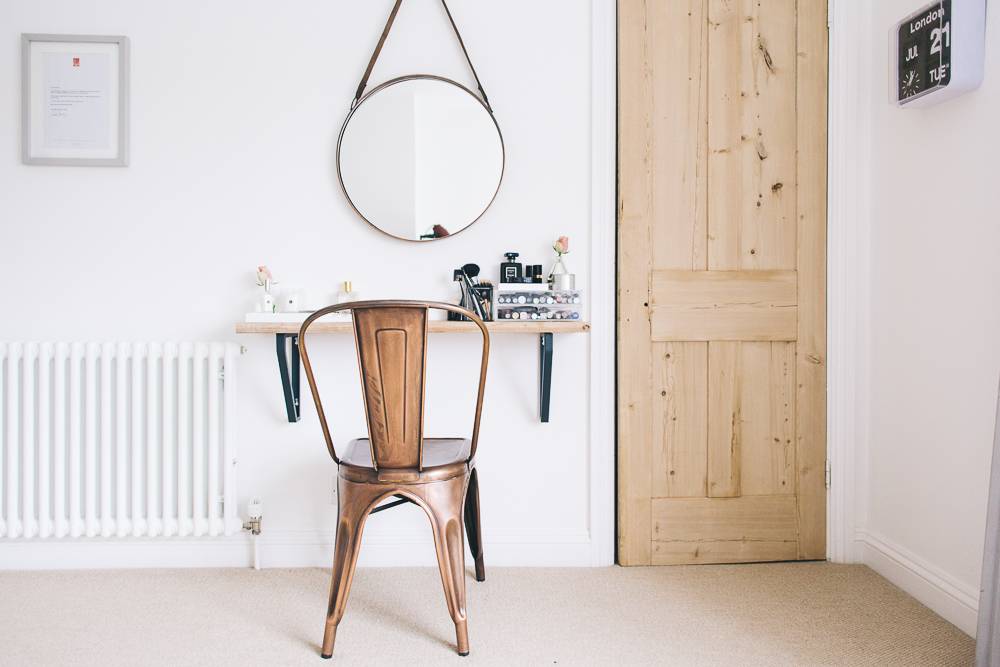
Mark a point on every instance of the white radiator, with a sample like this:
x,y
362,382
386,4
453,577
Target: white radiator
x,y
117,439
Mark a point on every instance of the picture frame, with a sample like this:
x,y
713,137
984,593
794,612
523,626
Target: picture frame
x,y
75,100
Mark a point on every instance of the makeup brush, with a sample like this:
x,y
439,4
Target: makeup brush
x,y
471,270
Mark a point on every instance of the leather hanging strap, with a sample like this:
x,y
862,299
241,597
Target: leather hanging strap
x,y
381,43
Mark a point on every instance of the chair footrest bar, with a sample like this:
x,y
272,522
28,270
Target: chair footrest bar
x,y
395,503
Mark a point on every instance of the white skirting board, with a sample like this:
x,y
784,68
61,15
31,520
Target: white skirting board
x,y
287,549
956,602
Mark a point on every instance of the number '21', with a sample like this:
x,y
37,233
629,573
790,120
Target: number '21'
x,y
936,36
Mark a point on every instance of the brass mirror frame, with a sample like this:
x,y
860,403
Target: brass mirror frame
x,y
403,79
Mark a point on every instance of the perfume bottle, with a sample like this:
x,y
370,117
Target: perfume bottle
x,y
346,293
511,271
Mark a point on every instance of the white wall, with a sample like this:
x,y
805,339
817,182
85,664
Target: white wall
x,y
235,113
931,348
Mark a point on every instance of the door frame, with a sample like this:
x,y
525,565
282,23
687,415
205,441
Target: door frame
x,y
850,98
603,281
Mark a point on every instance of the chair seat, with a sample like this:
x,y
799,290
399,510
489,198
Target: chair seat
x,y
444,458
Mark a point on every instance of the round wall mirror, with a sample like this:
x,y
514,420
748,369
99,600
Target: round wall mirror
x,y
420,158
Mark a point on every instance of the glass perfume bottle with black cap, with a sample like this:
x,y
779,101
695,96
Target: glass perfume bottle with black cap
x,y
511,271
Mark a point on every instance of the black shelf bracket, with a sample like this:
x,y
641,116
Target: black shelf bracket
x,y
544,375
287,347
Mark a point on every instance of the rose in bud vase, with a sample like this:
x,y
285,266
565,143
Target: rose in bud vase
x,y
559,277
265,280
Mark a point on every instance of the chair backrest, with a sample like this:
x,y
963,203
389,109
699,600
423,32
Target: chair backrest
x,y
391,342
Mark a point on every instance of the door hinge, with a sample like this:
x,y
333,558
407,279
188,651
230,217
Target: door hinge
x,y
828,474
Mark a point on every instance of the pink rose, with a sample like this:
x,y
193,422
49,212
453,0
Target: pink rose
x,y
561,246
264,274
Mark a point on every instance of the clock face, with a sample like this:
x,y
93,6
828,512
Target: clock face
x,y
924,57
910,84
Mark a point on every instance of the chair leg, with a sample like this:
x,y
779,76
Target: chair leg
x,y
474,525
353,503
445,502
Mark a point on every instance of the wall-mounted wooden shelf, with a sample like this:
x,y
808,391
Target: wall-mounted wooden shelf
x,y
435,326
286,336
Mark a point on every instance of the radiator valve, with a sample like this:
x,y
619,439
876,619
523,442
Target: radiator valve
x,y
255,512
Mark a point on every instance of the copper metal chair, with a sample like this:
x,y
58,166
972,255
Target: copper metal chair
x,y
396,460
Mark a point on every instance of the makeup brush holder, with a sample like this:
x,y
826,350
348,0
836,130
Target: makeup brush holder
x,y
485,294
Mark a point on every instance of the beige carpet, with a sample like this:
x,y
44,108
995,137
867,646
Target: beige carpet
x,y
779,614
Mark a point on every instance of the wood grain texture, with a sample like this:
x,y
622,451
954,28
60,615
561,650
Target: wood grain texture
x,y
678,77
637,55
680,420
722,131
725,413
722,551
767,220
768,518
725,137
433,326
751,106
810,427
767,428
751,414
719,289
726,323
724,305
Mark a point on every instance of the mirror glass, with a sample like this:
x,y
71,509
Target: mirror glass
x,y
420,158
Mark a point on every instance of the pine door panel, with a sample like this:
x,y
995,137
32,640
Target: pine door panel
x,y
722,246
751,127
706,552
751,528
724,305
751,419
680,420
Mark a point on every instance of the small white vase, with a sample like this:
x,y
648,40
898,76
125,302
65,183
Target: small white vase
x,y
267,301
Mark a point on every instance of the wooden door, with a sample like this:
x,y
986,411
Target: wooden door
x,y
722,271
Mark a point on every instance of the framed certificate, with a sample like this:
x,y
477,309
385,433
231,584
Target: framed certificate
x,y
74,100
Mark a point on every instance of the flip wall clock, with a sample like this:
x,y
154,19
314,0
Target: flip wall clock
x,y
938,52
